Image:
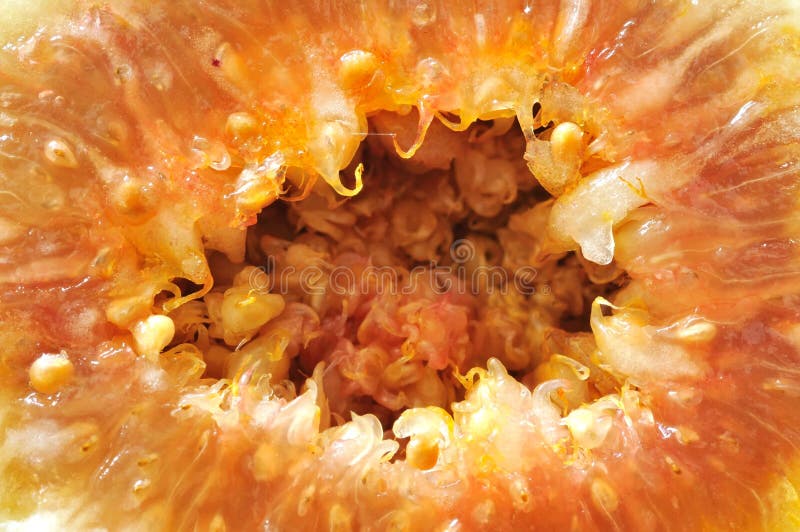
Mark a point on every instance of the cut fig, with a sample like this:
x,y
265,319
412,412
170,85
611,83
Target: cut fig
x,y
399,266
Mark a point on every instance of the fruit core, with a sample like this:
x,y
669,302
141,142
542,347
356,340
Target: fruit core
x,y
389,298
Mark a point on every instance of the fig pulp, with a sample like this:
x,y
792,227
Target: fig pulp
x,y
399,266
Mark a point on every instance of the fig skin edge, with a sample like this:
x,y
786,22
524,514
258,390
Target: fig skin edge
x,y
784,512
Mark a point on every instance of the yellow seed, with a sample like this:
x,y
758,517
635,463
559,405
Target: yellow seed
x,y
153,334
673,465
422,452
241,125
357,68
566,143
244,310
262,356
50,373
687,435
59,153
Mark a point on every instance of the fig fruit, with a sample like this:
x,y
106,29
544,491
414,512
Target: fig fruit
x,y
399,265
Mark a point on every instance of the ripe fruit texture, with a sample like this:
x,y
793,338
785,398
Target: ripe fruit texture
x,y
200,203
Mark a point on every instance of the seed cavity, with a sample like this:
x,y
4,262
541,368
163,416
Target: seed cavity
x,y
305,500
674,467
520,494
10,231
267,462
209,154
147,459
484,512
58,152
340,519
603,496
133,198
686,435
423,14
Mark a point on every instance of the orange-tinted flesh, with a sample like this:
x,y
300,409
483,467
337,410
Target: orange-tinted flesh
x,y
143,94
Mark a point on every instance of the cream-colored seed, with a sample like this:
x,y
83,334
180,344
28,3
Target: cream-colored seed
x,y
50,373
241,124
59,153
566,143
153,334
702,331
588,427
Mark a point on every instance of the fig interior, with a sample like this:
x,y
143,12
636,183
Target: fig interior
x,y
442,261
329,274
